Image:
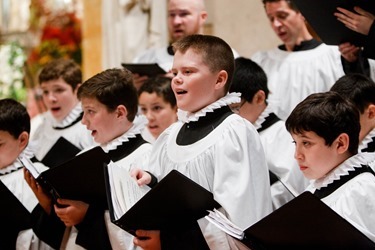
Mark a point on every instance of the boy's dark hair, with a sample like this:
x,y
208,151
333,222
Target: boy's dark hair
x,y
358,88
216,53
289,2
328,115
14,118
161,86
248,79
112,87
66,69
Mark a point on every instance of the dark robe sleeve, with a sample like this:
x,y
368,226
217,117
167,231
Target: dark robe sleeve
x,y
360,66
92,231
187,239
48,228
369,48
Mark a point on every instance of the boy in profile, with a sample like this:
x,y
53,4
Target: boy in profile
x,y
360,90
14,145
325,129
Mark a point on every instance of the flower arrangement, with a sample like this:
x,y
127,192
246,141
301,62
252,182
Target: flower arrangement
x,y
12,63
60,38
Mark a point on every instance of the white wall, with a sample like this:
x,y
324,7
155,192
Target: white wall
x,y
241,23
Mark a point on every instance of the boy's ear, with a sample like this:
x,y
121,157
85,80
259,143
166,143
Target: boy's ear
x,y
23,139
371,111
76,89
121,111
342,143
221,79
259,97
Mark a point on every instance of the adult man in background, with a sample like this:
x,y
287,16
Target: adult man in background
x,y
302,65
185,17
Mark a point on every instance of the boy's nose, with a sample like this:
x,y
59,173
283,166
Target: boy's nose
x,y
276,23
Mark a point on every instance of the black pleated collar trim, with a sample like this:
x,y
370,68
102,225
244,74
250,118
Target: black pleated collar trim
x,y
332,187
196,130
79,118
126,148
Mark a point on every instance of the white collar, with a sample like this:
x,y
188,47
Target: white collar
x,y
71,117
368,138
266,112
28,152
343,169
139,124
228,99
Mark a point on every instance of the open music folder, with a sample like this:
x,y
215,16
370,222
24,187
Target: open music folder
x,y
303,223
145,69
175,202
81,178
320,15
62,151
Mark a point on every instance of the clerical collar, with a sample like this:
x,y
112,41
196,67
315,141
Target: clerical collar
x,y
305,45
74,116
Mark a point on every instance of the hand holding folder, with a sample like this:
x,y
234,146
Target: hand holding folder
x,y
320,15
175,202
81,178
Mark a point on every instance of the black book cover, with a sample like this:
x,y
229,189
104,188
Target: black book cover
x,y
176,202
147,69
13,214
60,152
320,15
81,178
305,223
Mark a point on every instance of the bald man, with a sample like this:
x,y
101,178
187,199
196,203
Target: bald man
x,y
185,17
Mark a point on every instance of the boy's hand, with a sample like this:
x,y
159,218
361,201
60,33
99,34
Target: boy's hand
x,y
45,200
148,239
141,176
73,211
138,80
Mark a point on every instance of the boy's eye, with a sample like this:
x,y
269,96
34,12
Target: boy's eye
x,y
143,110
157,108
58,90
306,143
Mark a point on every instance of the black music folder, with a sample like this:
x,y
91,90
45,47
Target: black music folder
x,y
81,178
14,218
145,69
305,223
62,151
320,15
13,214
175,202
